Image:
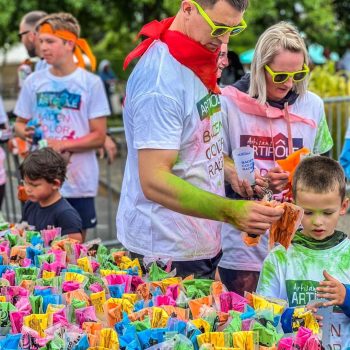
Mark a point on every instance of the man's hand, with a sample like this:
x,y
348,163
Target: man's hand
x,y
331,289
278,179
109,147
252,217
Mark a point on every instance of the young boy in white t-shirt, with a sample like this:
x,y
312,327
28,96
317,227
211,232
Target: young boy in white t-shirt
x,y
71,106
317,264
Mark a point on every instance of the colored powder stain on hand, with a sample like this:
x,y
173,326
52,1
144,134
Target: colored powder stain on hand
x,y
205,204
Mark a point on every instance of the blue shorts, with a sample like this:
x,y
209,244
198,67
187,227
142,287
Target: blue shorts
x,y
86,209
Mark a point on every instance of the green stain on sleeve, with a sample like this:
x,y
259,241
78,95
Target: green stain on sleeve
x,y
345,262
323,140
267,275
281,256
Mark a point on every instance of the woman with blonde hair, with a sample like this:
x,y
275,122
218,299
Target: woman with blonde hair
x,y
271,111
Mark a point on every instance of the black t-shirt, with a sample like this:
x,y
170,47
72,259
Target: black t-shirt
x,y
59,214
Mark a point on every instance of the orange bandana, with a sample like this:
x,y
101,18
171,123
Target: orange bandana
x,y
80,44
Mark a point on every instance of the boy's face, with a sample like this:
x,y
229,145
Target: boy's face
x,y
55,50
321,212
40,190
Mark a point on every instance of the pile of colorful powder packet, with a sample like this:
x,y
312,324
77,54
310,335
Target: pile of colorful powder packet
x,y
59,294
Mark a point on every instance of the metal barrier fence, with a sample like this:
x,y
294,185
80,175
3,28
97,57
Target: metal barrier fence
x,y
111,175
338,114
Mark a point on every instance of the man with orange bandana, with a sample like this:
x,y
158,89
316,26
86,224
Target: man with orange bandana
x,y
71,105
172,195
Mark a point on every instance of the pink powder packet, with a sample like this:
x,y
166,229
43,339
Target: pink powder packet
x,y
302,336
172,291
50,234
96,287
69,286
120,279
285,344
85,314
135,282
16,318
26,262
10,275
61,257
160,300
232,301
95,265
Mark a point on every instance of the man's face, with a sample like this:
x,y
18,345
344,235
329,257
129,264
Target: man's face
x,y
28,38
197,28
222,60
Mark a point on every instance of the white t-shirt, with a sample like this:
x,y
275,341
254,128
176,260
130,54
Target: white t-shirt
x,y
295,273
241,129
40,65
168,107
64,106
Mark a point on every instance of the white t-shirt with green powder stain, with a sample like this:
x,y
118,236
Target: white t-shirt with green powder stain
x,y
267,137
167,107
295,273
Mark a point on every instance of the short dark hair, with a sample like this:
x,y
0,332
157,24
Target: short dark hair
x,y
33,17
240,5
321,175
44,164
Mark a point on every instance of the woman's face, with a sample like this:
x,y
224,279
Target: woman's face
x,y
284,61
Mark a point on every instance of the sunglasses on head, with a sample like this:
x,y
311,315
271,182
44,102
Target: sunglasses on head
x,y
220,30
281,77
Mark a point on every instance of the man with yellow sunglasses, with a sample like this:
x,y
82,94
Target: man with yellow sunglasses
x,y
172,199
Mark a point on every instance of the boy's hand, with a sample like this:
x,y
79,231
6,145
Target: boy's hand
x,y
331,289
56,145
29,133
314,308
109,147
278,179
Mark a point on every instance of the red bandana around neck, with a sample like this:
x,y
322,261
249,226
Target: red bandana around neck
x,y
185,50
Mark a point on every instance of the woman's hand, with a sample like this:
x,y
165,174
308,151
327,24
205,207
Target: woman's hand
x,y
278,179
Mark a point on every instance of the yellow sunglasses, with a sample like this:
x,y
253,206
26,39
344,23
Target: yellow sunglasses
x,y
281,77
220,30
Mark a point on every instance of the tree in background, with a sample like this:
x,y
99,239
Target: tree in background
x,y
111,25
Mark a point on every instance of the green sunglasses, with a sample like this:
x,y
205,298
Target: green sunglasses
x,y
220,30
281,77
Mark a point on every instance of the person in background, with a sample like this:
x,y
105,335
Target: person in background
x,y
109,79
234,70
5,134
71,105
30,39
222,61
44,172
